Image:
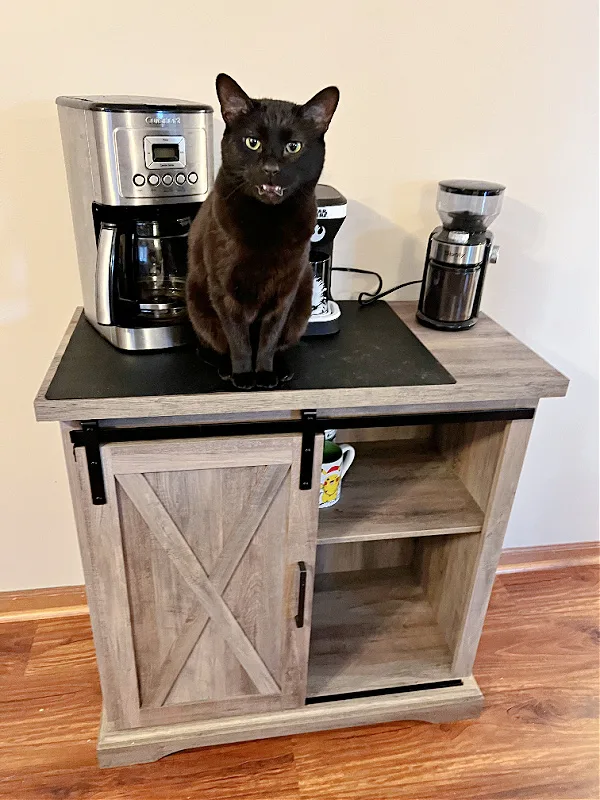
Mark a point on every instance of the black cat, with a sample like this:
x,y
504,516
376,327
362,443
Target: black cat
x,y
249,286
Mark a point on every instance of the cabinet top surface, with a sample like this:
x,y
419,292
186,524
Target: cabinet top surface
x,y
492,369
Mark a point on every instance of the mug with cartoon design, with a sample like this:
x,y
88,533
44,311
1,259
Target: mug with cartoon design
x,y
337,459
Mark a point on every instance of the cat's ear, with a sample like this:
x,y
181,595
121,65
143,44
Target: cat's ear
x,y
321,108
233,99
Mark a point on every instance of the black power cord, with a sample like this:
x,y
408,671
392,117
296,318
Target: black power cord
x,y
372,297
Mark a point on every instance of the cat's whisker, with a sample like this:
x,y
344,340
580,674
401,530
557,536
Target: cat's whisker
x,y
234,190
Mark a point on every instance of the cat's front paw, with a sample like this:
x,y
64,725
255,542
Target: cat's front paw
x,y
266,380
224,368
243,380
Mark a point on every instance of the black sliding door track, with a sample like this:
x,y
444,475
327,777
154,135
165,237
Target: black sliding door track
x,y
413,687
308,424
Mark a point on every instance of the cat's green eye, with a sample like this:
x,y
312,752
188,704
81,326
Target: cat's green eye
x,y
252,143
293,147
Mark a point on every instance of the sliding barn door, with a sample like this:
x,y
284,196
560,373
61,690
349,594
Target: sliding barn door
x,y
196,578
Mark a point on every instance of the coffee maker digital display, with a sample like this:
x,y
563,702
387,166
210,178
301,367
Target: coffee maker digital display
x,y
138,169
458,254
165,152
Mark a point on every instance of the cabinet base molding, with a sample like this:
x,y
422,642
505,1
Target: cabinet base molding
x,y
549,556
117,748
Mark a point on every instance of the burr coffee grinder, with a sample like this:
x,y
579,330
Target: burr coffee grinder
x,y
458,253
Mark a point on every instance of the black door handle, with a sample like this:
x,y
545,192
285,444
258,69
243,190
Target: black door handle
x,y
301,595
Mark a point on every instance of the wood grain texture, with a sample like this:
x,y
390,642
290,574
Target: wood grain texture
x,y
242,528
102,555
490,367
551,556
398,489
506,473
179,552
40,398
352,556
446,566
373,630
473,450
210,569
162,455
58,601
421,433
116,748
65,601
302,542
541,685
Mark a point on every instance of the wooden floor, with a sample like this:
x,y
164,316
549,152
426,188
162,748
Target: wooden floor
x,y
537,738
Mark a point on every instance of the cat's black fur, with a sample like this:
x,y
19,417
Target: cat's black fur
x,y
248,255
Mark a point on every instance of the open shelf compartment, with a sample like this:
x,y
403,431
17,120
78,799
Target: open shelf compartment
x,y
399,489
377,627
397,557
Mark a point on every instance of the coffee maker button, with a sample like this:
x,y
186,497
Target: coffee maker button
x,y
193,177
139,180
180,178
167,180
153,180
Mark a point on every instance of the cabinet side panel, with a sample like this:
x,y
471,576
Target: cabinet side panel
x,y
473,449
102,557
446,567
501,496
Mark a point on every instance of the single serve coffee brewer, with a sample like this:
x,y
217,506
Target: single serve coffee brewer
x,y
331,213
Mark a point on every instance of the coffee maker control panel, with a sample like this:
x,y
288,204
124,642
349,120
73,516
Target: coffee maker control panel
x,y
137,151
149,166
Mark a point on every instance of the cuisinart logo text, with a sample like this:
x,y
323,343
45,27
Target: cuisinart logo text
x,y
163,120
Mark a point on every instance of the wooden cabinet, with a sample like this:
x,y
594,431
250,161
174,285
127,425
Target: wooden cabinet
x,y
193,563
193,571
193,567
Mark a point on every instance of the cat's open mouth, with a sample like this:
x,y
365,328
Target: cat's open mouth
x,y
270,191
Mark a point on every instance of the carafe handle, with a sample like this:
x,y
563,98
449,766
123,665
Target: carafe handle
x,y
105,265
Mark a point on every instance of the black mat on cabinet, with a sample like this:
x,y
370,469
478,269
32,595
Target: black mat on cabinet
x,y
373,348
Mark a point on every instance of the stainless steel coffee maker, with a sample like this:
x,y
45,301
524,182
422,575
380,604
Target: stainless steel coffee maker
x,y
138,169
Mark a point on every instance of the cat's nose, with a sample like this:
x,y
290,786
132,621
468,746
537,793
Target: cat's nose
x,y
271,168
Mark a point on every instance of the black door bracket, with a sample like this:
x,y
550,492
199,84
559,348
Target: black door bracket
x,y
307,456
91,443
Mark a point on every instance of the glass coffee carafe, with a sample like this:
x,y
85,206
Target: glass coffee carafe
x,y
142,263
160,264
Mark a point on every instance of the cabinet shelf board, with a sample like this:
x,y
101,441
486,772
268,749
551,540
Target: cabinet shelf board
x,y
373,629
399,489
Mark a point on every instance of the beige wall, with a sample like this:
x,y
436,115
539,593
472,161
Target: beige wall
x,y
430,89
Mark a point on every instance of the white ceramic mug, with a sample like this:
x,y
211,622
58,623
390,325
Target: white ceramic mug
x,y
332,472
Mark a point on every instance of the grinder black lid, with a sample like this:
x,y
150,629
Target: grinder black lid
x,y
481,188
